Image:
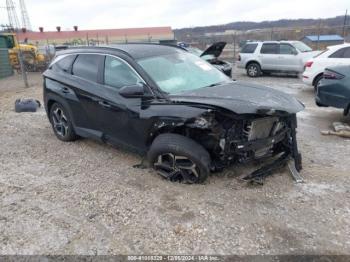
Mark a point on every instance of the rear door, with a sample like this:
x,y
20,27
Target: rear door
x,y
86,76
269,53
288,58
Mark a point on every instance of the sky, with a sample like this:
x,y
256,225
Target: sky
x,y
99,14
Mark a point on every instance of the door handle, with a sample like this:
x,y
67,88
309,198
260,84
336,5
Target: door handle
x,y
104,104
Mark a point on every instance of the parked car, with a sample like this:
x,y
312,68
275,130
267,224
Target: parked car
x,y
274,56
186,116
332,56
334,88
211,55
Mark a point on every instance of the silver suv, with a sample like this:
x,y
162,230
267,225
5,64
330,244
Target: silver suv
x,y
274,56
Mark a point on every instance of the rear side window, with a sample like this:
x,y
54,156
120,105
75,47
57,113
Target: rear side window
x,y
286,49
87,66
347,52
337,54
249,48
268,48
341,53
64,64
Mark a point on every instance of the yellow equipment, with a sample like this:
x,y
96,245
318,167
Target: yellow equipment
x,y
32,60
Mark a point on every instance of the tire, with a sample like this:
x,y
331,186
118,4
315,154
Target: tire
x,y
179,159
61,123
253,70
317,82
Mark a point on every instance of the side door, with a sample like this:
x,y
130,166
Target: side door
x,y
86,79
269,53
120,117
289,59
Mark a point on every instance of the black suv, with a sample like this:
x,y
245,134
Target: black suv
x,y
184,114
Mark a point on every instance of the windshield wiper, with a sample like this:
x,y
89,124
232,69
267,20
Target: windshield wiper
x,y
216,84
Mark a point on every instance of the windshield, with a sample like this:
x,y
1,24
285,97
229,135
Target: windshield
x,y
180,72
194,50
302,47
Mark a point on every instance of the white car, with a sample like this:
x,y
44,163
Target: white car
x,y
274,56
332,56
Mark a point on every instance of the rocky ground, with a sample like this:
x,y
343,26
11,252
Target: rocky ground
x,y
86,197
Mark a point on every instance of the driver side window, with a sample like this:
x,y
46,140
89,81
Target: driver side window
x,y
286,49
118,74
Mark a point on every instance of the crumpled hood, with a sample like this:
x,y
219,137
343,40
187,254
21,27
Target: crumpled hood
x,y
243,98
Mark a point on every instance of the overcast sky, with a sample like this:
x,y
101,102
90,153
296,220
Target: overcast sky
x,y
91,14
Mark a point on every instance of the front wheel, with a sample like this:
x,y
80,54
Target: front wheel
x,y
179,159
253,70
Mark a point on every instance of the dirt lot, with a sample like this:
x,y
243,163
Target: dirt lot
x,y
86,198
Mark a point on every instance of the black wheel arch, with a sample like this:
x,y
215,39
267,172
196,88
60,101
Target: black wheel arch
x,y
316,78
51,99
252,62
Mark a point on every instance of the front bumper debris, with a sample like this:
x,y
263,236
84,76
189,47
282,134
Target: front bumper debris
x,y
290,156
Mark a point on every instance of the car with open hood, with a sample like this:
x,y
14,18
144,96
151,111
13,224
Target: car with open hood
x,y
211,55
186,117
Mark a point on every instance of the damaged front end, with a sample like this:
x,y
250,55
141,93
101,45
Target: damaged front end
x,y
232,139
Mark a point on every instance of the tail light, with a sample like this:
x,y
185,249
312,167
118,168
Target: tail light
x,y
309,64
330,74
239,58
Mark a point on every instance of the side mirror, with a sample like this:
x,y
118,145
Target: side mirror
x,y
295,52
133,91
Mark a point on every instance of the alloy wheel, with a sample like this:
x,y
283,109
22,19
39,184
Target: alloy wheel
x,y
177,168
60,122
253,71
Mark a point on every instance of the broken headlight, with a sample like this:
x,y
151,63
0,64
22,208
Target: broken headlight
x,y
203,121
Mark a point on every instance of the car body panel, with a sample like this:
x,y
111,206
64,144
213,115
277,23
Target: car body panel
x,y
243,98
335,92
215,49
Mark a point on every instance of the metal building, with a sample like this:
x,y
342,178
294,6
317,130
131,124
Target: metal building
x,y
5,66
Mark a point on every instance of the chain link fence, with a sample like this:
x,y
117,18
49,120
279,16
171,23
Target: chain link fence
x,y
236,39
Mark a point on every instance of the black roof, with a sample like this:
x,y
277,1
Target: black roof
x,y
136,51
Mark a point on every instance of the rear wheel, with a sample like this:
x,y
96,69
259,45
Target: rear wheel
x,y
61,123
253,70
179,159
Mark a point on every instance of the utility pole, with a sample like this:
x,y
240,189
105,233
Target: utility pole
x,y
271,33
318,34
344,25
14,24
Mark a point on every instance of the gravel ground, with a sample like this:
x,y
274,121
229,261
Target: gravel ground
x,y
86,198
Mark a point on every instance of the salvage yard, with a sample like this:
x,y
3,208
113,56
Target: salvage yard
x,y
86,198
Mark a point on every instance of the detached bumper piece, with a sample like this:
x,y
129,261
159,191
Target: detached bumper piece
x,y
290,156
258,176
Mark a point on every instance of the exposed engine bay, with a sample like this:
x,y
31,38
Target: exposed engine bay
x,y
232,139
